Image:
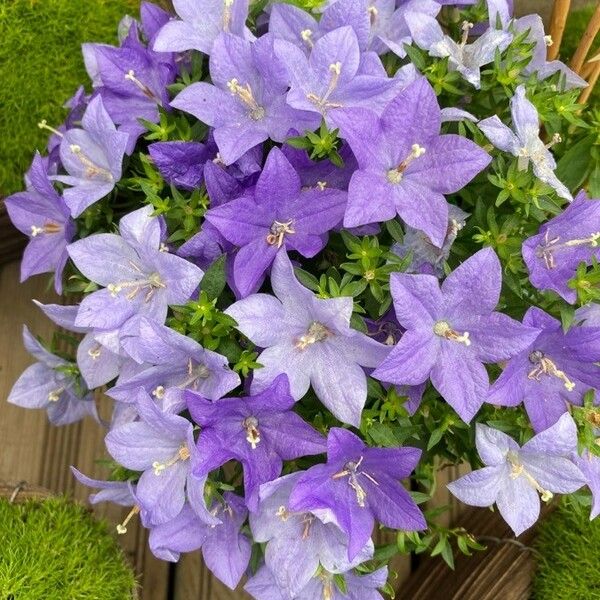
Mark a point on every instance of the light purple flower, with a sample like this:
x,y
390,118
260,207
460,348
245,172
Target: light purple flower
x,y
260,431
452,330
180,163
201,23
117,492
52,383
525,142
555,371
278,214
138,274
553,255
310,340
588,315
514,477
41,214
589,465
405,163
246,101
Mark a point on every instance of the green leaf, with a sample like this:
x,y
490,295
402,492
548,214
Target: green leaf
x,y
567,314
574,166
215,278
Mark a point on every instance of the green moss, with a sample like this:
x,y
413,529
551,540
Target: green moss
x,y
569,545
55,550
41,67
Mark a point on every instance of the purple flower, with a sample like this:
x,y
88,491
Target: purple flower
x,y
525,142
202,22
405,163
162,446
298,542
553,255
117,492
466,58
452,330
40,213
171,363
589,465
359,485
263,586
513,476
278,214
52,383
588,315
310,340
246,103
555,371
180,163
138,277
260,431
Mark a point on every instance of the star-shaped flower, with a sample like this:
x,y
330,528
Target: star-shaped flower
x,y
359,485
405,163
562,243
515,477
525,142
452,330
138,277
555,371
41,214
277,214
260,431
310,340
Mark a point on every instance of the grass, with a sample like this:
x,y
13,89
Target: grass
x,y
55,550
569,545
41,67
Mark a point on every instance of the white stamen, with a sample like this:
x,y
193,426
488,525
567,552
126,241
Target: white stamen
x,y
550,246
466,29
278,232
92,169
159,392
250,424
323,102
182,455
395,175
152,283
548,40
43,124
518,470
443,329
317,332
306,35
54,395
321,185
130,76
122,527
556,139
244,93
95,352
545,366
227,4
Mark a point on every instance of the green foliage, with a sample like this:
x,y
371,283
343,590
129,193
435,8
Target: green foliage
x,y
41,67
569,545
55,550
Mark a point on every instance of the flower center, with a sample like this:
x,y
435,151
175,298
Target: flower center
x,y
317,332
396,175
95,352
195,371
306,519
373,12
518,470
159,392
244,93
466,29
306,35
547,249
322,103
443,329
92,170
545,366
48,227
130,76
54,395
151,284
278,231
122,527
250,424
351,470
183,454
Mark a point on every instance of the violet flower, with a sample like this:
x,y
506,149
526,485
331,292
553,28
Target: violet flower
x,y
589,465
246,101
588,315
41,214
52,383
525,142
555,371
515,477
278,214
562,243
117,492
180,163
311,341
259,431
138,277
452,330
405,163
297,543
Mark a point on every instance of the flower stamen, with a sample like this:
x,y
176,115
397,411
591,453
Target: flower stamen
x,y
443,329
278,232
183,454
518,470
48,227
91,168
545,366
396,175
122,527
253,434
466,30
130,76
306,35
54,395
323,102
43,124
244,93
317,332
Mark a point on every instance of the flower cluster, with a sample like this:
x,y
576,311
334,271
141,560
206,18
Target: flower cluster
x,y
299,283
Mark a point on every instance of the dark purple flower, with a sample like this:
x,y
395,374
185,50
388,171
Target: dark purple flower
x,y
180,163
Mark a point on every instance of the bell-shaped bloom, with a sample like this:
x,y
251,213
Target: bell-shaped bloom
x,y
201,23
162,447
358,486
562,243
405,163
297,543
138,275
52,383
277,214
523,141
180,163
92,157
171,363
452,330
117,492
246,101
515,477
41,214
555,371
311,341
260,431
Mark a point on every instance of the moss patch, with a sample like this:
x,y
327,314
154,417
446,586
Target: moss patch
x,y
55,550
41,67
569,545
